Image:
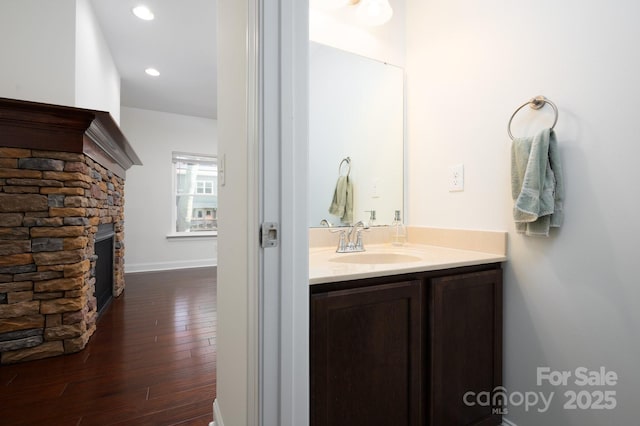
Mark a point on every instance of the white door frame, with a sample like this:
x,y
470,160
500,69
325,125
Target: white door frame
x,y
278,371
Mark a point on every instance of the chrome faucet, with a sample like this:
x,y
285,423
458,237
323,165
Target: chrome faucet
x,y
347,243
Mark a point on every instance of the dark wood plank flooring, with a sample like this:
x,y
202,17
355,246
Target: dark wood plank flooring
x,y
151,361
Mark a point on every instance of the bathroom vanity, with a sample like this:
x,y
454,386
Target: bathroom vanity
x,y
405,336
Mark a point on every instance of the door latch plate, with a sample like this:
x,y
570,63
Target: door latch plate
x,y
269,234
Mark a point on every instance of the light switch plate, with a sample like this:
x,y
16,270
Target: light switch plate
x,y
375,185
222,170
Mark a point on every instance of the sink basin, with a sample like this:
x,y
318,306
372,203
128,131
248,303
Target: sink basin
x,y
374,258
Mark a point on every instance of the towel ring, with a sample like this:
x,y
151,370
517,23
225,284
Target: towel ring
x,y
535,103
345,160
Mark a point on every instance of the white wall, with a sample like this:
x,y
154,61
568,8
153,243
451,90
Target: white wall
x,y
232,334
97,82
571,300
149,198
37,50
54,52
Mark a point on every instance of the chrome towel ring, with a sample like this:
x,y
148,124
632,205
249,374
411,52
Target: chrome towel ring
x,y
345,160
535,103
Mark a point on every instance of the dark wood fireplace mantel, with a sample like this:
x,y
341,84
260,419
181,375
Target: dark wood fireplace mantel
x,y
34,125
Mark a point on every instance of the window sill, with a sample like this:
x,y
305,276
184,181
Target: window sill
x,y
192,235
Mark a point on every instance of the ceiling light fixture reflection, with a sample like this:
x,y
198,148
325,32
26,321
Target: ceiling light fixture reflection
x,y
374,12
152,72
143,13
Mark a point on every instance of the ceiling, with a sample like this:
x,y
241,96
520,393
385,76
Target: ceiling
x,y
180,42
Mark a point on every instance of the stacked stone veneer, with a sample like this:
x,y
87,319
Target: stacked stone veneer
x,y
51,204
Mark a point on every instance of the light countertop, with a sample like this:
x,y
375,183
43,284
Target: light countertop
x,y
423,252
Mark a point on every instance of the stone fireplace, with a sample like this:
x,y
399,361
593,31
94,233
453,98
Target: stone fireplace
x,y
62,174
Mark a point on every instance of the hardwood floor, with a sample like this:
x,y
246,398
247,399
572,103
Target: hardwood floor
x,y
151,361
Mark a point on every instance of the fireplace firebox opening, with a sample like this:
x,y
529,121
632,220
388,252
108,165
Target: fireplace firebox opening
x,y
104,252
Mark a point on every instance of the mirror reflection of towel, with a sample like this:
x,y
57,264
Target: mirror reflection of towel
x,y
342,203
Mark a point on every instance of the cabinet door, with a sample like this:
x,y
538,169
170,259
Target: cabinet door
x,y
466,346
367,356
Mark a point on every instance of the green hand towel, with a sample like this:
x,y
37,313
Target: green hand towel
x,y
537,186
557,217
342,203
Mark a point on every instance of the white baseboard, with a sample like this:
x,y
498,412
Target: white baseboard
x,y
506,422
166,266
217,415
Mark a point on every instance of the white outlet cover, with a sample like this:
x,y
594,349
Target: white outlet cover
x,y
456,178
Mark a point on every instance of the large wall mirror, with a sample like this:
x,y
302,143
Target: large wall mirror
x,y
357,111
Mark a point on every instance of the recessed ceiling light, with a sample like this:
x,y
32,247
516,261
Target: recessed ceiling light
x,y
152,72
143,12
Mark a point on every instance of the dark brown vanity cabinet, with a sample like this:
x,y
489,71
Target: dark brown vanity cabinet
x,y
404,350
367,355
465,347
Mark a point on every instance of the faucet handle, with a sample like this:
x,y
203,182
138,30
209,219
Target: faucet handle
x,y
359,245
342,244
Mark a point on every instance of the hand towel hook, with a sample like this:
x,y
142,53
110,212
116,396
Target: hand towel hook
x,y
535,103
345,160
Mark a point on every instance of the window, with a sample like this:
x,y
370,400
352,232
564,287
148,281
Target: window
x,y
195,178
204,187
